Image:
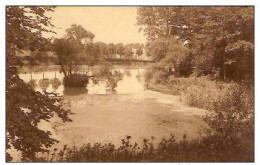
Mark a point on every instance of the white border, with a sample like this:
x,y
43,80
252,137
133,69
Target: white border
x,y
3,3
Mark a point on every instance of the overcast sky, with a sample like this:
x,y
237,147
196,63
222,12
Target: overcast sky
x,y
109,24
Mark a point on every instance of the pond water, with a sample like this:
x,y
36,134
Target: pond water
x,y
52,81
131,110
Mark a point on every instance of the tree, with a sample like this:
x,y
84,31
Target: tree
x,y
206,31
70,48
120,49
92,53
139,51
103,50
157,49
128,52
170,53
68,54
111,50
25,107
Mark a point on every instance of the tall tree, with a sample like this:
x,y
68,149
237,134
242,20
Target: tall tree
x,y
120,49
25,107
71,50
111,50
206,31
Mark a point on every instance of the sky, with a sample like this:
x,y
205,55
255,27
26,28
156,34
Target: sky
x,y
109,24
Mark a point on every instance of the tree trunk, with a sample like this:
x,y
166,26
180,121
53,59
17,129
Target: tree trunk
x,y
63,70
70,69
62,67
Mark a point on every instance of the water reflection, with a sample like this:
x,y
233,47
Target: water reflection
x,y
127,72
33,83
44,84
55,83
75,91
128,81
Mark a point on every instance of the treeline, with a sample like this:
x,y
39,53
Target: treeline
x,y
215,41
83,49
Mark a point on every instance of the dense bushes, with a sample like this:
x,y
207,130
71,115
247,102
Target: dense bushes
x,y
76,80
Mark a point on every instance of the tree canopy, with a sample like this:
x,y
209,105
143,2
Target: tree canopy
x,y
25,107
70,49
209,33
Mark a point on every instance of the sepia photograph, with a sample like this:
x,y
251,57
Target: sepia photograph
x,y
130,84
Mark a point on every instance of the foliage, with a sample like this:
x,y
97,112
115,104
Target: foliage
x,y
25,107
67,51
38,57
210,148
216,49
209,34
92,54
76,80
120,49
105,73
156,74
111,50
25,110
70,48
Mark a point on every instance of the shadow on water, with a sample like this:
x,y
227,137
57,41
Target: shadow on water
x,y
44,84
55,83
74,91
33,83
118,81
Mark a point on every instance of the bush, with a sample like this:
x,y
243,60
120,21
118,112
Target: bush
x,y
210,148
154,75
76,80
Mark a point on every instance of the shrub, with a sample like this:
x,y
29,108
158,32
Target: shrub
x,y
154,75
210,148
76,80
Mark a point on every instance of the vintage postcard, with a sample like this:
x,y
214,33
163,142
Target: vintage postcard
x,y
130,83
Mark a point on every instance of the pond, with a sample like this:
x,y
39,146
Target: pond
x,y
102,116
52,81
